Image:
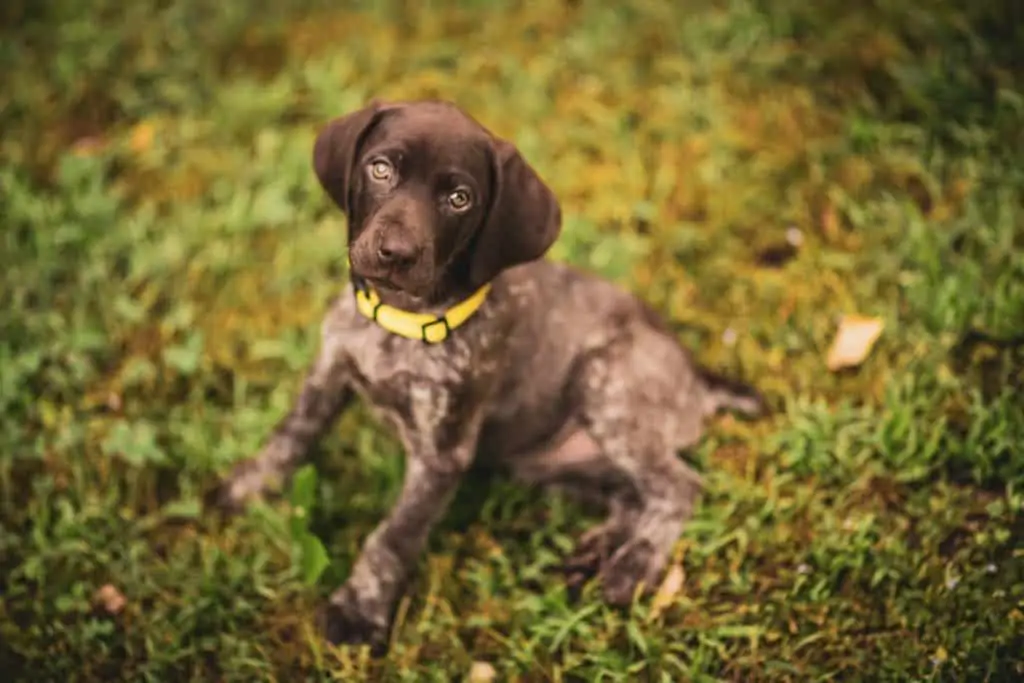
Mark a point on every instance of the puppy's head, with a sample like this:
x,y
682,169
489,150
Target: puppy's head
x,y
433,199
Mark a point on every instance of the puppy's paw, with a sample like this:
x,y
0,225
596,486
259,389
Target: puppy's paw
x,y
346,621
589,556
633,564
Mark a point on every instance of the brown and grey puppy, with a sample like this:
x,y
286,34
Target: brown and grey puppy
x,y
560,377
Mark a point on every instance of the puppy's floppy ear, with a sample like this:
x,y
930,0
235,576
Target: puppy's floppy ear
x,y
524,218
336,147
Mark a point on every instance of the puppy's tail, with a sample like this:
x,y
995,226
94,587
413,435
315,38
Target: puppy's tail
x,y
723,393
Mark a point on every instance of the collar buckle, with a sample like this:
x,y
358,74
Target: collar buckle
x,y
445,330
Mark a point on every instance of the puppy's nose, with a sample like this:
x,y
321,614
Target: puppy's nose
x,y
396,249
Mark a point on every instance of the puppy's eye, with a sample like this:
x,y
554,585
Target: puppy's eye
x,y
380,169
459,200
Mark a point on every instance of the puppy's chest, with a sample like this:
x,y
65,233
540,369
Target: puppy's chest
x,y
410,384
397,373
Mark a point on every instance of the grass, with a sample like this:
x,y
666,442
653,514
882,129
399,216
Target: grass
x,y
166,254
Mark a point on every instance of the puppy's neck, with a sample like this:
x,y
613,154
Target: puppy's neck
x,y
443,297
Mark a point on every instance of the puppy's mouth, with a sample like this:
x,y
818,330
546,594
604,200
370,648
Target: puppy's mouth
x,y
382,282
392,280
407,273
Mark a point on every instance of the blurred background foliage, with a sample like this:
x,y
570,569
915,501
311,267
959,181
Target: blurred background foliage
x,y
753,169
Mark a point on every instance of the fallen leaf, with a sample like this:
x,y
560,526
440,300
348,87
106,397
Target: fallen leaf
x,y
482,672
142,137
853,342
830,221
114,401
669,589
110,599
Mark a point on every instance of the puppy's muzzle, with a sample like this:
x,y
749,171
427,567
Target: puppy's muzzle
x,y
396,249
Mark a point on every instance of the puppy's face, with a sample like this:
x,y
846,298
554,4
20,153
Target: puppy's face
x,y
420,189
432,198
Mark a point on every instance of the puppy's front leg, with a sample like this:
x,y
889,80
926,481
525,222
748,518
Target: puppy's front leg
x,y
360,611
323,395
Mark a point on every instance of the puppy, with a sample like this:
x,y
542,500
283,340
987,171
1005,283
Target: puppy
x,y
469,344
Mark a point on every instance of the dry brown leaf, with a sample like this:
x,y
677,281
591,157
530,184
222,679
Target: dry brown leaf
x,y
669,589
482,672
110,599
830,221
114,401
142,137
853,341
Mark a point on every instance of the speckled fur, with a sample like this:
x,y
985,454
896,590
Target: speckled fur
x,y
561,378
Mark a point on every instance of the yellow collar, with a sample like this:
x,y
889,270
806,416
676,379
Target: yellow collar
x,y
424,326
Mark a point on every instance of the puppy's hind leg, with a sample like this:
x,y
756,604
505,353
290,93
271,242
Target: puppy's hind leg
x,y
666,490
667,496
629,402
573,463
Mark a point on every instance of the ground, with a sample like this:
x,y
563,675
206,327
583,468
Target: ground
x,y
755,170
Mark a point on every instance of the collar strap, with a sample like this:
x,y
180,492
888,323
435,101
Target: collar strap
x,y
423,326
